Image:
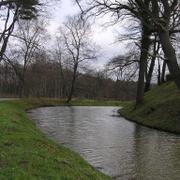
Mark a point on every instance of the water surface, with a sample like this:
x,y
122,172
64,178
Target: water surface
x,y
112,144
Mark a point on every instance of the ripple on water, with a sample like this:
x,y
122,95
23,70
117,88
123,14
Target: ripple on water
x,y
112,144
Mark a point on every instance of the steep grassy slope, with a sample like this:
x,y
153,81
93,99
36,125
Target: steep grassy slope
x,y
161,109
26,153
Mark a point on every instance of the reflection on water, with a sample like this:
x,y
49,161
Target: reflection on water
x,y
112,144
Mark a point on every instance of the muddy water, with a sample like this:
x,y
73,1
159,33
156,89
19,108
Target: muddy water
x,y
112,144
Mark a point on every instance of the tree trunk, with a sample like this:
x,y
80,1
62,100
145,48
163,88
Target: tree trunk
x,y
170,56
156,47
159,74
149,75
163,72
72,84
21,91
145,44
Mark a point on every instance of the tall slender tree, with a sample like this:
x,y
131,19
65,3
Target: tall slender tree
x,y
75,34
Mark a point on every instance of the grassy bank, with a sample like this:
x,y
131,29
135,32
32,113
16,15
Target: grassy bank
x,y
43,102
161,109
26,153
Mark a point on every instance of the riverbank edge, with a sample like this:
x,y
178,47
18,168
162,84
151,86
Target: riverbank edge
x,y
26,153
160,109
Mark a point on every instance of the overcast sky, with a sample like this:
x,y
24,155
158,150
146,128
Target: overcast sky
x,y
103,37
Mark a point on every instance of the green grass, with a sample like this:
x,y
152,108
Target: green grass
x,y
42,102
87,102
26,153
161,109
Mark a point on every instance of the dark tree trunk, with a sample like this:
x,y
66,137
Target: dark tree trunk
x,y
22,83
72,84
159,74
149,75
170,56
145,44
156,47
21,89
163,72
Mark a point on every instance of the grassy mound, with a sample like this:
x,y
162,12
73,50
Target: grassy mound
x,y
26,153
161,109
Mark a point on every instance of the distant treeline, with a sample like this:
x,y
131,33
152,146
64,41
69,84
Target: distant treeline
x,y
47,79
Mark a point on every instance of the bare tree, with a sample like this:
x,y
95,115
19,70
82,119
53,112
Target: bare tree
x,y
27,41
123,10
79,49
154,17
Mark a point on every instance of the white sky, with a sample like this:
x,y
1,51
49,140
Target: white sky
x,y
103,37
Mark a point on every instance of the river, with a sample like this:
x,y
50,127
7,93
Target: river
x,y
113,145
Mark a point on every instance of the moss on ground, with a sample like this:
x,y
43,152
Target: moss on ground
x,y
26,153
161,109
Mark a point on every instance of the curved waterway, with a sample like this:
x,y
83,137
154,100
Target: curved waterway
x,y
115,146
